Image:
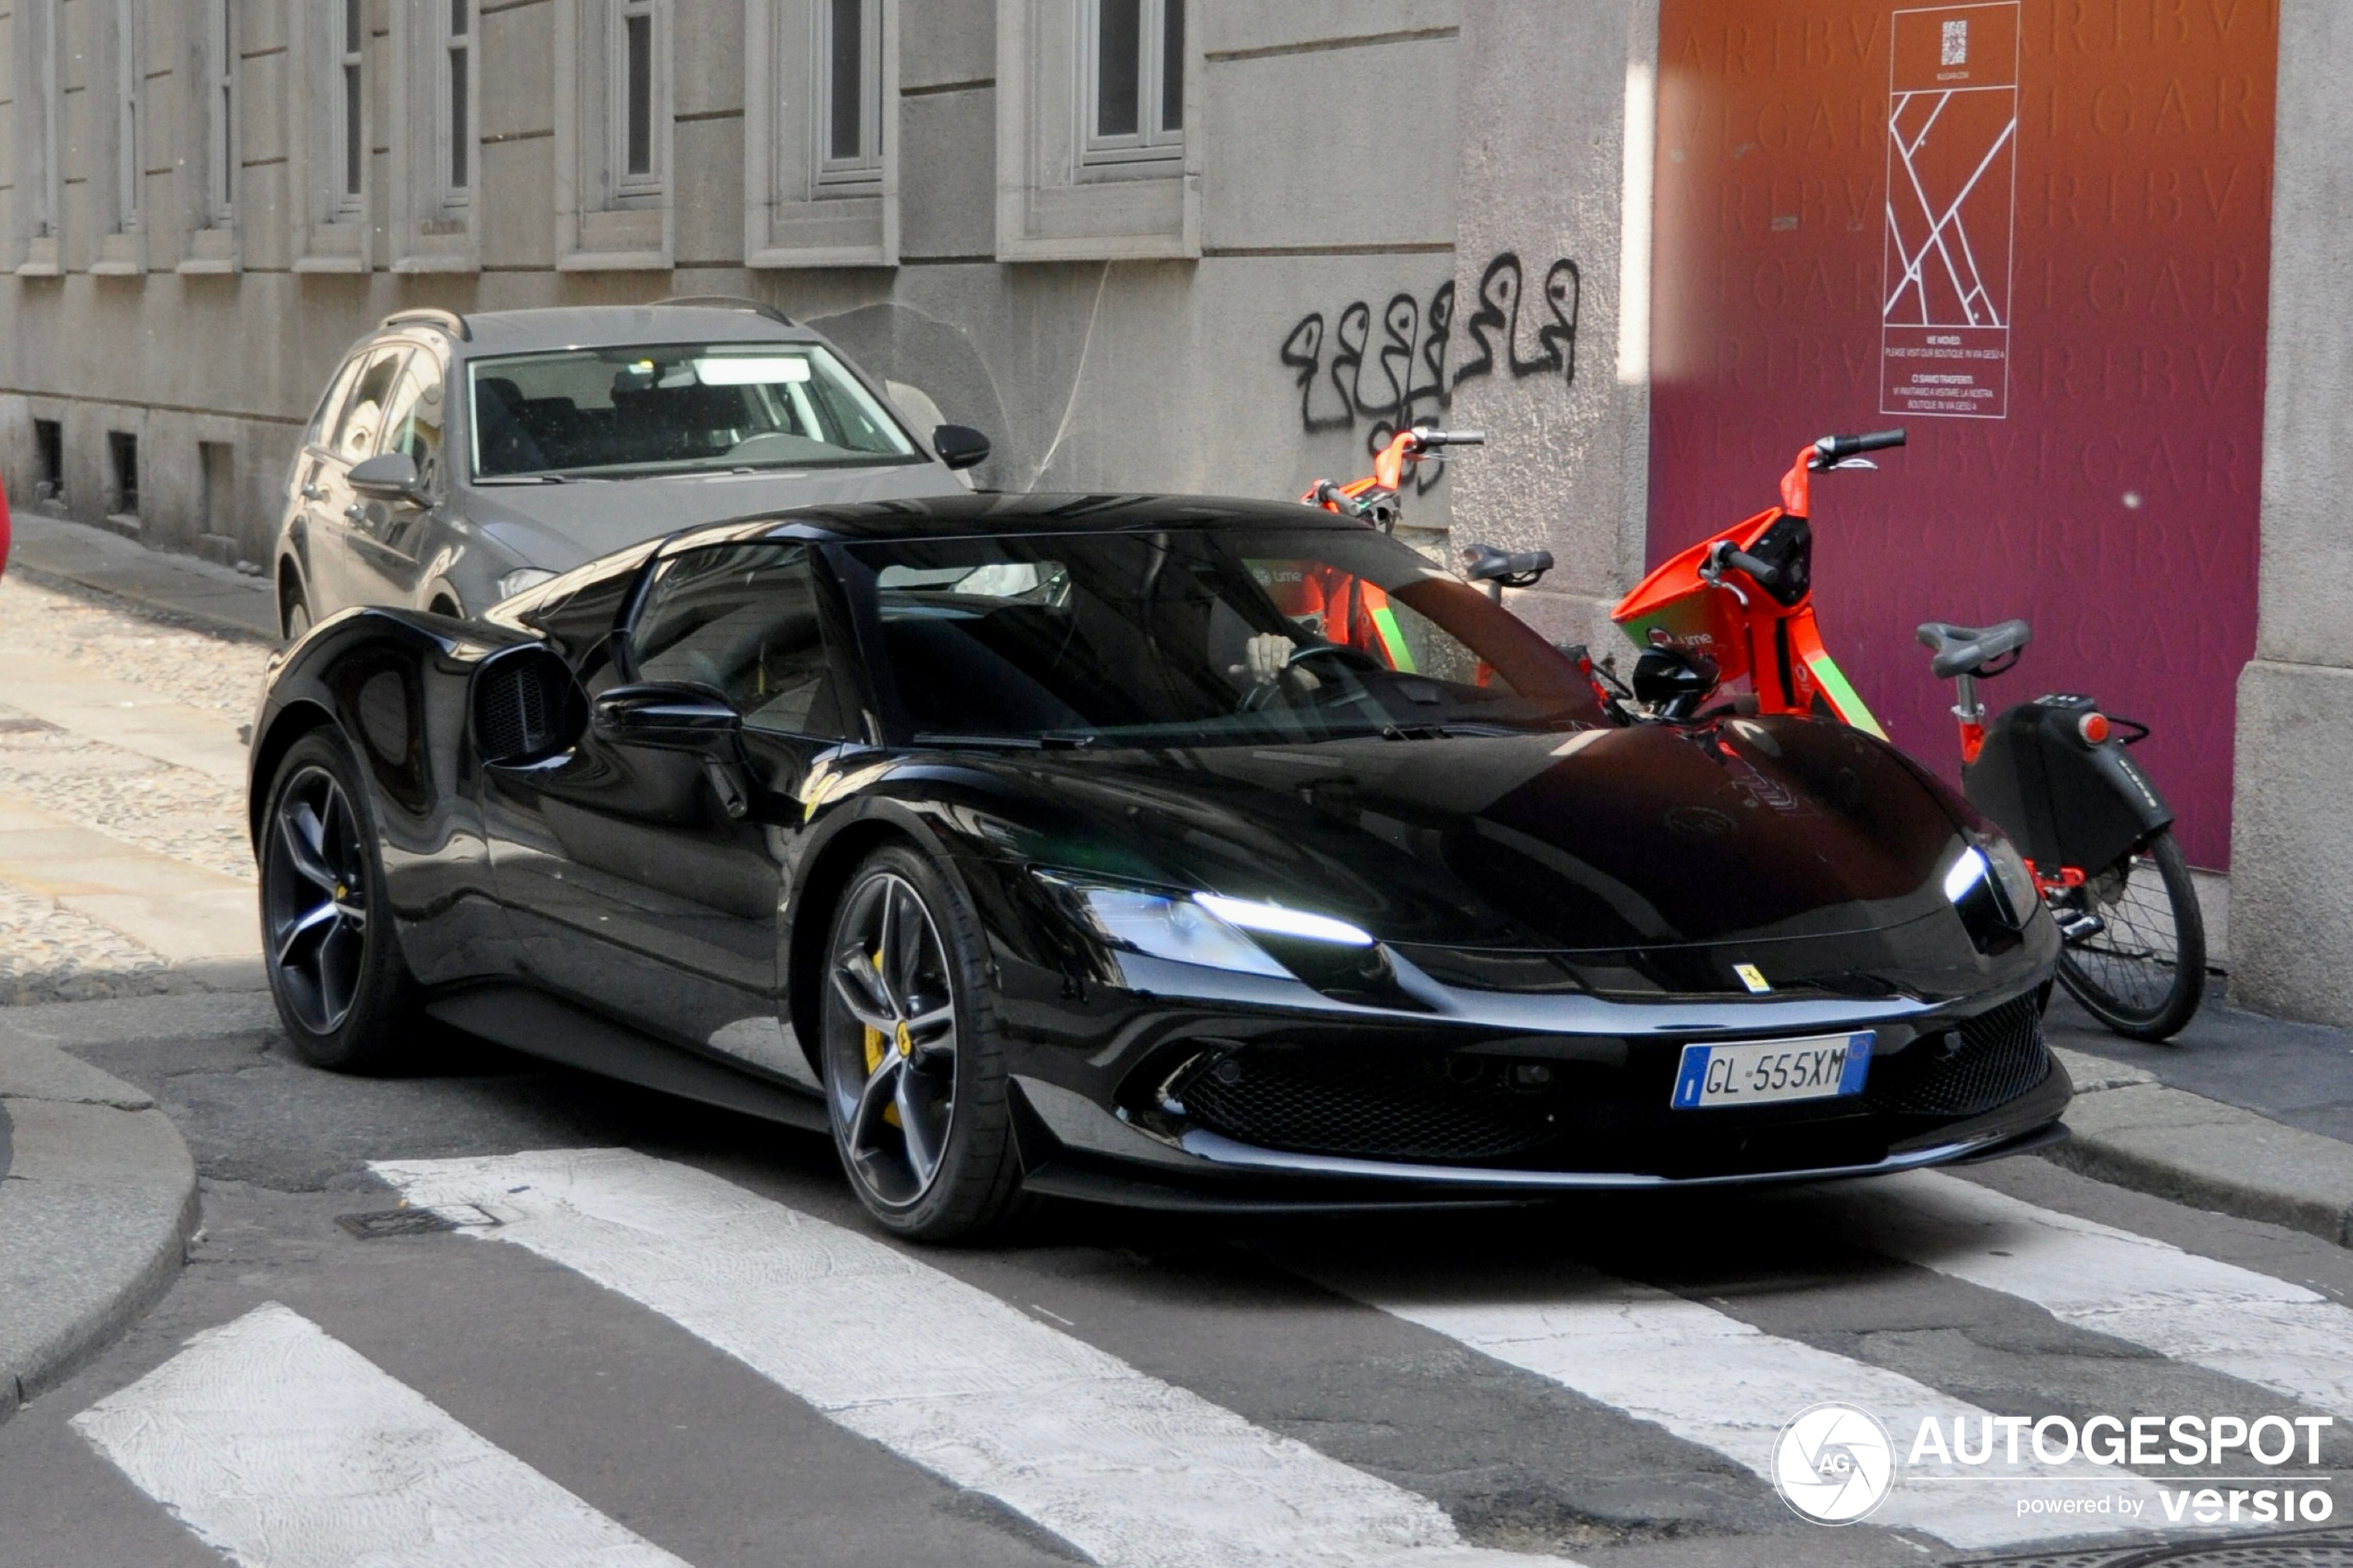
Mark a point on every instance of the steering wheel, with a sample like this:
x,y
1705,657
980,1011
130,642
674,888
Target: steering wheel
x,y
1357,658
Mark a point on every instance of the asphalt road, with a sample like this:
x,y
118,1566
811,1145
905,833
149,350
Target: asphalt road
x,y
690,1348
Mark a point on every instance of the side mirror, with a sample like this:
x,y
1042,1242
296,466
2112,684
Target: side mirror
x,y
389,476
672,715
959,446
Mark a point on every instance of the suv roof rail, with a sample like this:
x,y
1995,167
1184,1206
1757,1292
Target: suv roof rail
x,y
430,316
729,302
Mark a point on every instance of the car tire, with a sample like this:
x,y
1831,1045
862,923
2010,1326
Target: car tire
x,y
333,959
913,1054
294,616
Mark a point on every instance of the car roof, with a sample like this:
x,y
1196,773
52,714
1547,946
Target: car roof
x,y
984,512
480,333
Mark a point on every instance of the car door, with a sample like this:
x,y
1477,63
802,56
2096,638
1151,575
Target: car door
x,y
338,510
386,539
630,882
304,519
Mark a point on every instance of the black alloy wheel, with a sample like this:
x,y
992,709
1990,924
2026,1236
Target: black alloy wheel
x,y
334,965
914,1076
2142,971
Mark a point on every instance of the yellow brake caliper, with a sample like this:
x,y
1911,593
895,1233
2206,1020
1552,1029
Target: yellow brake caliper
x,y
876,1042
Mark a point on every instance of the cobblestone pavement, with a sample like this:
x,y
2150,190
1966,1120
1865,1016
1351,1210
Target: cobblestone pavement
x,y
53,954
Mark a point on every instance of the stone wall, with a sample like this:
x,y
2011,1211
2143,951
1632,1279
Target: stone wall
x,y
2290,860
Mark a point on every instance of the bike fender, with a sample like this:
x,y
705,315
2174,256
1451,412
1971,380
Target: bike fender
x,y
2065,803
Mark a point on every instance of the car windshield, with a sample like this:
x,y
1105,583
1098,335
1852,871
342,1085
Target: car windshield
x,y
1201,636
626,412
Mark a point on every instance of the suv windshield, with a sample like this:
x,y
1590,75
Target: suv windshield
x,y
622,412
1201,636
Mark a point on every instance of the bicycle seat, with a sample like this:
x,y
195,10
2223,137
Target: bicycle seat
x,y
1965,650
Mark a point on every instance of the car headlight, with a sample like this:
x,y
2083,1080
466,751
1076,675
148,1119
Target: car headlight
x,y
2012,877
1200,928
1992,890
522,577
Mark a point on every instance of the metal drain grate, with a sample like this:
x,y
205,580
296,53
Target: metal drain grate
x,y
2328,1548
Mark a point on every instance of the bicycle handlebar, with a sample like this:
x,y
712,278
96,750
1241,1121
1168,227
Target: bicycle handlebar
x,y
1766,576
1831,448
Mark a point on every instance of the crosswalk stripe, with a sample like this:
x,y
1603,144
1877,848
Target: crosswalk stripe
x,y
1711,1379
1124,1467
282,1446
2268,1331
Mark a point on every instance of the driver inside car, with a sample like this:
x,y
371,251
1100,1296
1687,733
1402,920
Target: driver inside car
x,y
1337,606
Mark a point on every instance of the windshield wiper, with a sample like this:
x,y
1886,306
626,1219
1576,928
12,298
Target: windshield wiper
x,y
1048,740
523,479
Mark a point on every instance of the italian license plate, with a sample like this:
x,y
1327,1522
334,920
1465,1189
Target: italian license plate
x,y
1769,1072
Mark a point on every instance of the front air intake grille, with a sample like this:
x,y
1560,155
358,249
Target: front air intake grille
x,y
1315,1102
514,716
2001,1056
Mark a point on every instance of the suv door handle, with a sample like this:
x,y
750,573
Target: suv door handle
x,y
355,511
312,493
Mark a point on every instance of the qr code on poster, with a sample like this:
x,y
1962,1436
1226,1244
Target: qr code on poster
x,y
1956,42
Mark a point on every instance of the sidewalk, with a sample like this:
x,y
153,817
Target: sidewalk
x,y
57,554
2240,1114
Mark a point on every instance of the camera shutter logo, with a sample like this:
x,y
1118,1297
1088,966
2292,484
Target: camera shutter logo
x,y
1833,1464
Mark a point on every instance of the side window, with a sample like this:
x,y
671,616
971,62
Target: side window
x,y
363,414
743,619
413,418
323,423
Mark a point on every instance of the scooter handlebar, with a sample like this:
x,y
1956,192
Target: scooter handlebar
x,y
1831,448
1430,440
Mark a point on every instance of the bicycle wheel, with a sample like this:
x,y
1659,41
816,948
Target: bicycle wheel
x,y
2142,972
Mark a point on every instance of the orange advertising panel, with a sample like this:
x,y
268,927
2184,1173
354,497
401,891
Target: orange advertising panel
x,y
2033,232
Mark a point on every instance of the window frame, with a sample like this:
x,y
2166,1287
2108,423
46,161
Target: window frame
x,y
347,112
129,119
864,168
622,183
219,88
40,123
456,59
1153,142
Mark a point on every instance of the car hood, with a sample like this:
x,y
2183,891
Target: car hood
x,y
1738,832
557,527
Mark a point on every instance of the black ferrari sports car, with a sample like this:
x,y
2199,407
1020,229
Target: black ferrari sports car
x,y
1161,850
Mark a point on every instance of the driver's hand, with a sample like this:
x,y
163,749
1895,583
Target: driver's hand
x,y
1268,655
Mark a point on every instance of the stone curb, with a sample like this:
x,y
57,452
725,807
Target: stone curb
x,y
193,617
98,1208
2133,1132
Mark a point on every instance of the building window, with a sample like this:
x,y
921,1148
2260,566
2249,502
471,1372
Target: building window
x,y
1134,102
634,71
221,105
49,461
128,176
849,120
350,120
37,162
122,461
457,174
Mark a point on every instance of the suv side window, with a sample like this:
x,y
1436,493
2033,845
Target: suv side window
x,y
363,415
414,419
746,620
324,422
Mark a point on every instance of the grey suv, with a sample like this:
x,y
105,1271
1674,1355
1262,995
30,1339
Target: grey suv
x,y
456,460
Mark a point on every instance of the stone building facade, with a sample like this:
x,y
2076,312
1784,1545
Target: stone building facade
x,y
1206,246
